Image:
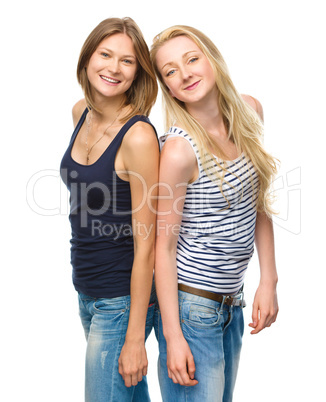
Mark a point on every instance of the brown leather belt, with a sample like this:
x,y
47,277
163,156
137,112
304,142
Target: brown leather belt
x,y
230,300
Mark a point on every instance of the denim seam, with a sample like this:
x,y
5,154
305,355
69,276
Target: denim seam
x,y
159,322
115,375
230,318
180,311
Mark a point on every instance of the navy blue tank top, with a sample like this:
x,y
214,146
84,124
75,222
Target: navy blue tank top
x,y
102,249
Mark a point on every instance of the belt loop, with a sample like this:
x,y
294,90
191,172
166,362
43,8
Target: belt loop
x,y
242,301
222,304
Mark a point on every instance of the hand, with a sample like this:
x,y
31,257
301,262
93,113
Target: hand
x,y
133,362
180,362
265,307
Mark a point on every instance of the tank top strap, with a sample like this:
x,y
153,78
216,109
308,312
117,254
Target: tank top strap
x,y
78,126
133,120
179,132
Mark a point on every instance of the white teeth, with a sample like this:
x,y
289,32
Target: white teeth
x,y
109,79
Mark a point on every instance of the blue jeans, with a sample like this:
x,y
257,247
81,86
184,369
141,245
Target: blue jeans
x,y
105,323
214,332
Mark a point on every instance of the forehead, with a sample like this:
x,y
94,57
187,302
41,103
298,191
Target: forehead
x,y
175,49
118,42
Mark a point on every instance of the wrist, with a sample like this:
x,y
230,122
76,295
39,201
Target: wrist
x,y
136,336
270,280
173,335
132,338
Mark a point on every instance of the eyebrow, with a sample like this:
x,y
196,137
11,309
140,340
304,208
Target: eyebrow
x,y
109,50
183,56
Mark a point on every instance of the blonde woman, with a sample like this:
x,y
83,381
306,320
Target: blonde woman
x,y
213,206
109,167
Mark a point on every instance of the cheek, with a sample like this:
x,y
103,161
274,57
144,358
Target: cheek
x,y
135,74
92,65
170,90
209,72
171,93
131,74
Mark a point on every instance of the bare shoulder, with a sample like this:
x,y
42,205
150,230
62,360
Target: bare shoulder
x,y
77,110
177,152
140,135
139,149
255,104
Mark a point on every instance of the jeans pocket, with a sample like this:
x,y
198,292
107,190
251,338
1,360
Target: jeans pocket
x,y
201,316
106,306
110,318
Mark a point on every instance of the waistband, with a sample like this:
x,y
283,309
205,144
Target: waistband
x,y
230,300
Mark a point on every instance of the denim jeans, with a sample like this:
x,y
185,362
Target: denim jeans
x,y
105,323
214,332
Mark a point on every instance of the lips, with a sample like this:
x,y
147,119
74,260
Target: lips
x,y
110,80
192,86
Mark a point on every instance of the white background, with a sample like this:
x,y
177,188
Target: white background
x,y
275,51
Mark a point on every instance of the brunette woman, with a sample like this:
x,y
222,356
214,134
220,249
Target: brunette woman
x,y
111,168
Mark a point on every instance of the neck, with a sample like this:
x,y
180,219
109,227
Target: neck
x,y
209,116
109,108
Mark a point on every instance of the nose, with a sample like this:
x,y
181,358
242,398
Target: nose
x,y
185,72
113,65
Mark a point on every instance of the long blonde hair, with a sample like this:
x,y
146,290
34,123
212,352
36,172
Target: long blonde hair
x,y
243,124
142,94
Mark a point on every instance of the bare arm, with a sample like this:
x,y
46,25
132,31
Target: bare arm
x,y
177,167
141,157
265,306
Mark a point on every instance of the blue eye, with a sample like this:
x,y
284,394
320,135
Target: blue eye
x,y
170,73
104,54
193,59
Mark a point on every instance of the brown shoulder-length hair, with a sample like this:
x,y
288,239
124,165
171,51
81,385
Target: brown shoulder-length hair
x,y
142,94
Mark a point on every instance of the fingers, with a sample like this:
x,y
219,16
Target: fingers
x,y
191,367
182,377
184,374
132,377
259,324
254,317
265,307
133,364
262,320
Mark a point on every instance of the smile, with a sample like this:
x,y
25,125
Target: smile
x,y
111,80
192,86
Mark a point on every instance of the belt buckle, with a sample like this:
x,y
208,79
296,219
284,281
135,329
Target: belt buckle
x,y
238,300
228,300
235,300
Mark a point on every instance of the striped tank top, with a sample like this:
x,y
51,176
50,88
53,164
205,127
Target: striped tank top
x,y
216,241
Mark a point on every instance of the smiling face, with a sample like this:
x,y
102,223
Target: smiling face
x,y
112,68
186,71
